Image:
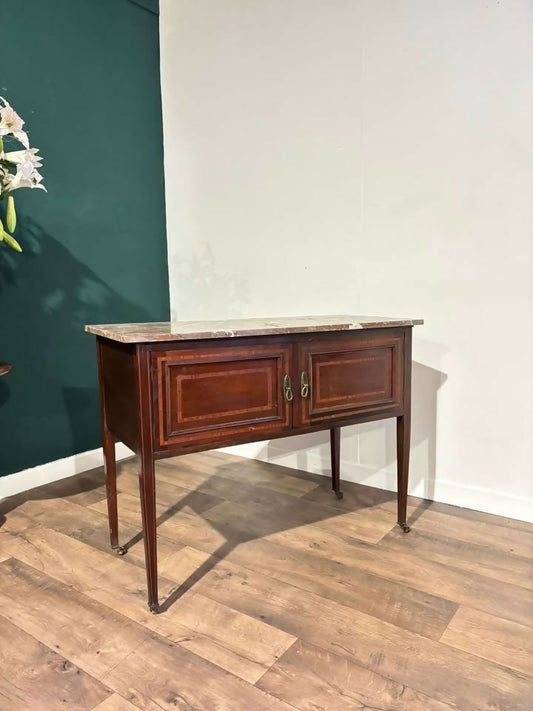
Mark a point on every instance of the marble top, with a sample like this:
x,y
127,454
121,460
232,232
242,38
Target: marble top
x,y
231,328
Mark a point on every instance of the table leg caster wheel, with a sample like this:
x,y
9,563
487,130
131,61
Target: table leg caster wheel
x,y
339,494
405,528
120,550
153,607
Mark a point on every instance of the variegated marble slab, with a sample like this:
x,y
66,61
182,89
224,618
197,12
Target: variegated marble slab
x,y
192,330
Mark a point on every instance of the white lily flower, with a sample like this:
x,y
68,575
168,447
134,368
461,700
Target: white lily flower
x,y
23,180
11,123
27,161
18,169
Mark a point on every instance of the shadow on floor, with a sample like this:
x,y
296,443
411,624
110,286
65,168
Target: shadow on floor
x,y
279,511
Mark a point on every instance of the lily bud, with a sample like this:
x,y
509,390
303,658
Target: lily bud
x,y
1,145
12,242
11,215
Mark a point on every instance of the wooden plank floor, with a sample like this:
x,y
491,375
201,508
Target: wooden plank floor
x,y
276,597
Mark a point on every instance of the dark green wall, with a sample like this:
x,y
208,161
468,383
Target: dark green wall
x,y
84,74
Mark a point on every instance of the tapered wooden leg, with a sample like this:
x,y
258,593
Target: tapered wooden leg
x,y
335,443
147,474
110,467
403,437
147,491
110,461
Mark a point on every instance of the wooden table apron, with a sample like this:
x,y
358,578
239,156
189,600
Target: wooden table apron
x,y
174,397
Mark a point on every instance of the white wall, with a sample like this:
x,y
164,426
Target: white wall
x,y
375,157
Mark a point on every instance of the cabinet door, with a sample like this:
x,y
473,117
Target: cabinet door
x,y
351,375
211,394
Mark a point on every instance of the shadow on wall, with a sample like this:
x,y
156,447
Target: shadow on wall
x,y
49,402
371,447
426,384
377,442
208,293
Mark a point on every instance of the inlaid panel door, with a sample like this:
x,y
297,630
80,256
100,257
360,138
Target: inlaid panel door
x,y
207,393
345,376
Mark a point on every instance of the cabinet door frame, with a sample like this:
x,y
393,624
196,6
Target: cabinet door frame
x,y
274,423
378,343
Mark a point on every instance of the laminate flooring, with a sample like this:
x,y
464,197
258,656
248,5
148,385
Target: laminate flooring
x,y
276,596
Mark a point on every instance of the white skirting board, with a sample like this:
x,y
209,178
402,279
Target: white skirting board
x,y
442,490
53,471
445,491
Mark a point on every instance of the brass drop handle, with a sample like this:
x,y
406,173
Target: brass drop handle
x,y
287,389
304,384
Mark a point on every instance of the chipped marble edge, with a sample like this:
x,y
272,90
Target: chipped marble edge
x,y
110,331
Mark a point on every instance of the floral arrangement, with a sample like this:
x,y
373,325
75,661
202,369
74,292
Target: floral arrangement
x,y
18,168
